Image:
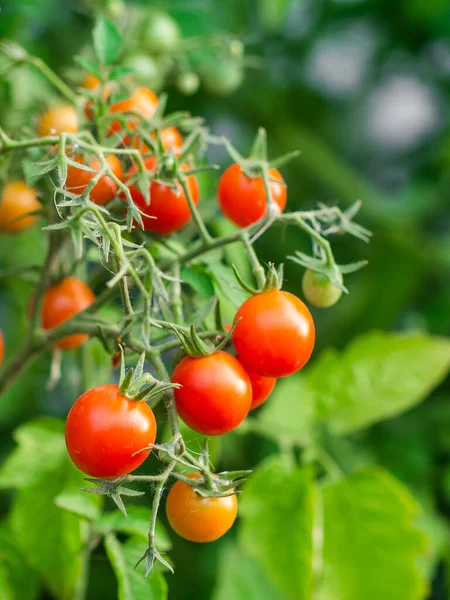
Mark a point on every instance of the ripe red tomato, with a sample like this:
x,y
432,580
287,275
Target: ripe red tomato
x,y
61,302
199,519
262,387
16,202
104,190
216,394
243,199
168,211
104,429
58,119
2,347
170,138
275,335
143,101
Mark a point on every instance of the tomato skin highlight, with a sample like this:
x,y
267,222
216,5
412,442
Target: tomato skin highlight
x,y
199,519
104,190
243,199
58,119
275,334
216,394
168,211
143,101
262,387
104,429
61,302
16,201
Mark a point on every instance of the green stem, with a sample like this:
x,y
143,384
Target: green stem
x,y
200,225
51,76
258,270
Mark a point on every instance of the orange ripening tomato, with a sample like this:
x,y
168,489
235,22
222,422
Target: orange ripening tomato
x,y
243,199
105,430
170,138
16,202
275,334
199,519
104,190
61,302
58,119
2,347
216,394
143,101
90,82
262,387
168,210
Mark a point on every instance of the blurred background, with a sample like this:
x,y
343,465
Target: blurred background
x,y
361,88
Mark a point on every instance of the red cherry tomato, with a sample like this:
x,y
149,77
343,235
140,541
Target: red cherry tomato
x,y
216,394
262,387
143,101
104,190
104,430
168,211
2,347
275,334
17,201
61,302
243,199
199,519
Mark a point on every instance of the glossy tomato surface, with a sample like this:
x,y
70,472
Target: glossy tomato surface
x,y
199,519
58,119
262,387
216,394
16,202
143,101
61,302
104,190
104,429
243,199
168,210
275,334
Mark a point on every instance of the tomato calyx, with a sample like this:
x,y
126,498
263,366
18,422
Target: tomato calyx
x,y
112,488
273,280
139,386
194,346
150,556
215,485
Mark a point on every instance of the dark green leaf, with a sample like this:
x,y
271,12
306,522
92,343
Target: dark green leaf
x,y
13,584
198,278
107,41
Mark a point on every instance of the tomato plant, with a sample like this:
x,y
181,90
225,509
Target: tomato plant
x,y
105,189
58,119
199,519
106,431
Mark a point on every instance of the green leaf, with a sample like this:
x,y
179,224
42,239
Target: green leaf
x,y
79,503
40,450
88,65
378,376
241,578
199,280
277,519
107,41
51,539
289,414
370,545
13,584
131,583
136,523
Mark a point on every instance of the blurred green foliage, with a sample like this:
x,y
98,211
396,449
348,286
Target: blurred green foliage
x,y
361,87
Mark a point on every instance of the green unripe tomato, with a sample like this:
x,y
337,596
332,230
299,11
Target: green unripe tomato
x,y
223,77
161,33
146,70
319,290
188,83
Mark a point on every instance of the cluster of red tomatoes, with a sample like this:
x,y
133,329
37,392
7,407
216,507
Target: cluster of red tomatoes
x,y
108,435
